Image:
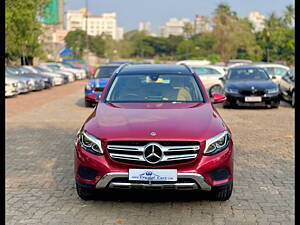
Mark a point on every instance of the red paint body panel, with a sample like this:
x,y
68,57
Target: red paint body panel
x,y
171,121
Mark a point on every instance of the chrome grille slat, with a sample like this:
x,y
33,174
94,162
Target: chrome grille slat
x,y
170,154
181,157
125,156
125,148
183,148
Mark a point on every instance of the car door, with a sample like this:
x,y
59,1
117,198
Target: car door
x,y
285,86
279,73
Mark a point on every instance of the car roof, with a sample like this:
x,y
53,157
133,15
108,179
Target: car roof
x,y
155,68
270,65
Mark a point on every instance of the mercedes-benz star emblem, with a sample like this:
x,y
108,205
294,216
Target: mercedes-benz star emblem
x,y
153,133
153,154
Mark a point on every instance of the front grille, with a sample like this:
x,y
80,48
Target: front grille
x,y
253,92
99,89
153,152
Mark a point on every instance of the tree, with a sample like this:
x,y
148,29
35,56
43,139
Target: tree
x,y
231,33
97,45
289,15
188,30
23,28
186,49
76,40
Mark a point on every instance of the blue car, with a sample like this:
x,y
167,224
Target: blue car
x,y
95,86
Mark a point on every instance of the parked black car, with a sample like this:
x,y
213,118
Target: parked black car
x,y
287,87
250,86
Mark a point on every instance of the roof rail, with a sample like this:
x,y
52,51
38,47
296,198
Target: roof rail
x,y
189,68
121,67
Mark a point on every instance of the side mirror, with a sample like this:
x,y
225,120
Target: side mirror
x,y
218,98
222,78
273,77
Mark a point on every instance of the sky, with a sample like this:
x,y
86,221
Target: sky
x,y
158,12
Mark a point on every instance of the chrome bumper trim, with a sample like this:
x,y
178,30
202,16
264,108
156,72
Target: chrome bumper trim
x,y
105,181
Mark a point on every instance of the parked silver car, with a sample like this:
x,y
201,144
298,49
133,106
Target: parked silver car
x,y
80,73
57,79
68,76
25,85
11,87
274,70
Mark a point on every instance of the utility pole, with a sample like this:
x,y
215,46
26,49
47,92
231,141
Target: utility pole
x,y
86,29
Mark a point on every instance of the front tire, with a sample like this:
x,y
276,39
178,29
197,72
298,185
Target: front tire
x,y
227,105
222,194
85,193
87,104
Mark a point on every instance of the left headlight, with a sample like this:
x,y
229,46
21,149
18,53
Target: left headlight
x,y
90,143
217,143
89,87
232,90
273,90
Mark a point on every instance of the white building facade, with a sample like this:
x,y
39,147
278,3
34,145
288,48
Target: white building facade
x,y
258,21
145,26
202,24
173,27
95,25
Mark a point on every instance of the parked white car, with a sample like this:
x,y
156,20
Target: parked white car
x,y
274,69
194,62
80,73
11,87
57,78
209,75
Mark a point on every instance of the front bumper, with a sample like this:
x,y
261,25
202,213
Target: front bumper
x,y
204,172
238,99
92,97
10,92
197,181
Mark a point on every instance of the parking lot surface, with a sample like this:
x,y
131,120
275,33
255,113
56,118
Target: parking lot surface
x,y
40,130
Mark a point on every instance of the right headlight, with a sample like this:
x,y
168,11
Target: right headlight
x,y
90,143
273,90
217,143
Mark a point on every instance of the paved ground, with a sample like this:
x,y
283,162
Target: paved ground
x,y
40,129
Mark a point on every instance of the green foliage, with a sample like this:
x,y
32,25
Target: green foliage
x,y
214,58
23,28
231,37
76,41
186,49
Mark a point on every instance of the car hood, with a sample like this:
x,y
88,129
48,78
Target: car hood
x,y
135,121
261,84
20,77
99,82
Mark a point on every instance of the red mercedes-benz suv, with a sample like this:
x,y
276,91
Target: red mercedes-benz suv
x,y
155,128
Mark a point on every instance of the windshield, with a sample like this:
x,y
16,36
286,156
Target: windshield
x,y
67,65
39,69
247,74
105,71
154,88
53,67
24,70
205,71
72,65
